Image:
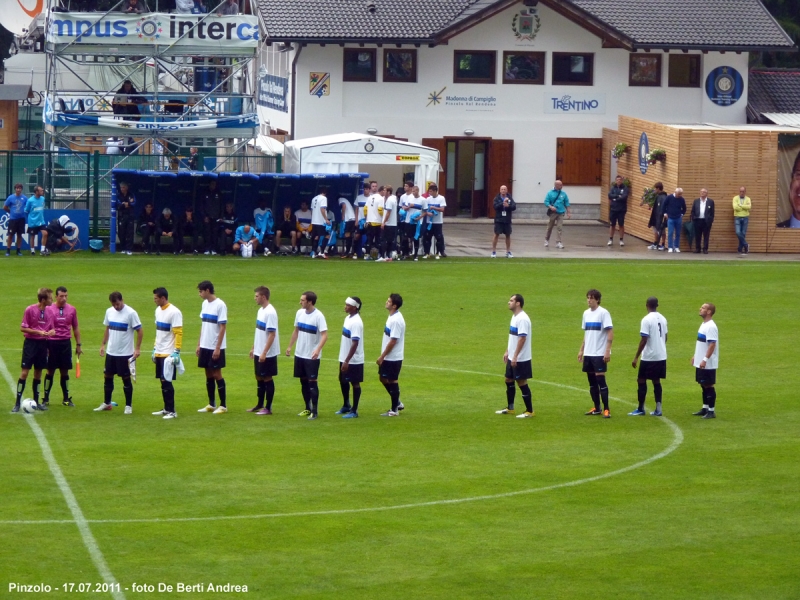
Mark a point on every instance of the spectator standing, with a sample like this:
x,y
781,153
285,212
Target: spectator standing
x,y
503,205
193,156
15,207
34,208
231,7
657,217
741,215
557,203
187,228
212,207
703,218
349,220
674,209
319,219
618,207
126,220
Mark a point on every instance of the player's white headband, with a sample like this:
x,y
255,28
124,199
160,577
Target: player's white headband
x,y
352,302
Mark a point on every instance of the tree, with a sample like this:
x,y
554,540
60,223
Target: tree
x,y
787,13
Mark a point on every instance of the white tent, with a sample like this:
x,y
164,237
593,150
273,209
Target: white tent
x,y
344,152
267,145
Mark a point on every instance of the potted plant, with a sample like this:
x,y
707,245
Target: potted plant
x,y
619,149
656,155
649,197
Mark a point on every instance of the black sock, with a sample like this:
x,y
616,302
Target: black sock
x,y
306,393
168,393
511,392
711,395
313,392
642,394
526,397
210,387
48,384
127,388
356,396
20,389
601,384
65,387
221,392
108,389
594,390
261,390
269,386
394,393
36,383
348,245
345,386
657,391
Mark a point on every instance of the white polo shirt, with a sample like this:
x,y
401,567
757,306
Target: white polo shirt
x,y
309,332
520,328
121,325
213,314
708,333
352,330
654,329
317,204
395,329
596,325
266,322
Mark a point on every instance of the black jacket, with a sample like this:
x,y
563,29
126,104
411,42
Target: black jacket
x,y
657,212
122,211
498,209
619,198
148,220
709,216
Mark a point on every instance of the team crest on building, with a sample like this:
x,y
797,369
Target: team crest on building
x,y
526,24
319,84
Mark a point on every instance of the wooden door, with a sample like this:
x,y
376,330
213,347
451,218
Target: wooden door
x,y
500,158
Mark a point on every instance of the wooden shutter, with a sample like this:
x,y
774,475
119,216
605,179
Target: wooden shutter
x,y
501,171
579,161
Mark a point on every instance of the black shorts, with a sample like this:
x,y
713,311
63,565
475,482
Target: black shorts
x,y
117,365
206,359
318,231
59,354
355,373
617,218
34,354
286,229
502,228
653,369
16,226
36,229
390,369
410,230
705,376
523,370
160,368
306,368
594,364
268,368
349,226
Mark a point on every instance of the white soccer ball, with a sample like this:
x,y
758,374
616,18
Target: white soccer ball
x,y
28,406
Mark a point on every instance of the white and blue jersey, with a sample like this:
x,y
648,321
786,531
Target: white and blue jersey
x,y
34,208
352,330
309,332
654,330
213,314
266,322
121,325
395,329
439,204
596,325
707,334
414,206
520,328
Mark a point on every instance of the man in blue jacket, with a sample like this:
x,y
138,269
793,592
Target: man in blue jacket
x,y
557,203
674,207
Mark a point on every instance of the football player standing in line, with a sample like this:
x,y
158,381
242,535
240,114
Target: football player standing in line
x,y
351,357
706,360
266,347
210,350
169,338
595,352
310,333
121,321
518,358
392,350
653,349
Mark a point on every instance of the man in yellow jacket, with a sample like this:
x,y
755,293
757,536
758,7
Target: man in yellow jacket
x,y
741,214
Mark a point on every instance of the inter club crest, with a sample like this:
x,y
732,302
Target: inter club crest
x,y
526,24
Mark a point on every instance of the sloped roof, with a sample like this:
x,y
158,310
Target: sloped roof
x,y
772,91
704,24
695,23
15,92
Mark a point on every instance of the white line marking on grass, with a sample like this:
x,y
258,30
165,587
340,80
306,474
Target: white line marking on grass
x,y
677,440
66,491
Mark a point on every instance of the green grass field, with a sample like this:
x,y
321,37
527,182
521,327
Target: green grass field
x,y
447,501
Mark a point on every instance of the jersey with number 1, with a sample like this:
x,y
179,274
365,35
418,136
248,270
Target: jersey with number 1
x,y
654,330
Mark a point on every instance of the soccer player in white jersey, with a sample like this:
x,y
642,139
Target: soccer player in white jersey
x,y
169,337
518,358
319,219
391,359
415,211
653,350
265,350
118,347
388,225
210,350
310,333
403,203
351,357
436,207
349,219
595,352
706,360
374,216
